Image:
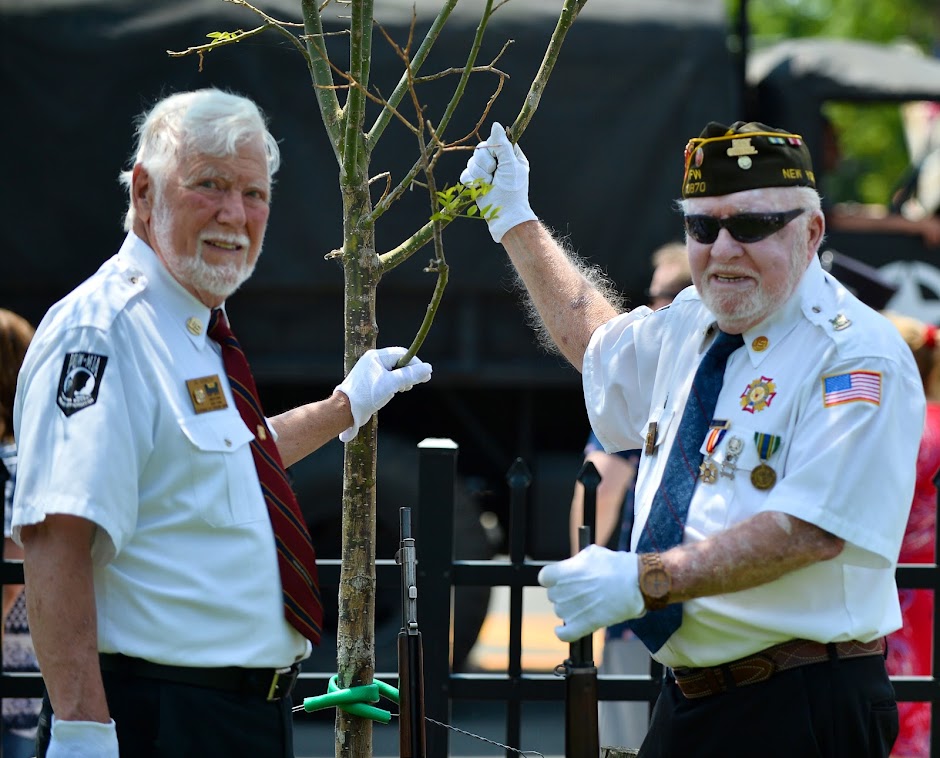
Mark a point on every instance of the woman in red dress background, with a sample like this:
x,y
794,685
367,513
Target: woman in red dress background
x,y
910,648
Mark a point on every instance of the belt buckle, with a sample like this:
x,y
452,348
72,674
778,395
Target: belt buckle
x,y
282,682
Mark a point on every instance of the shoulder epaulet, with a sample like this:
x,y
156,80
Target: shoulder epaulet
x,y
98,300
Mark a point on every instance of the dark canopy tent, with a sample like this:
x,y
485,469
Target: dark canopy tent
x,y
792,80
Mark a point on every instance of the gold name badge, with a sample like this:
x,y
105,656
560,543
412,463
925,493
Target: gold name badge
x,y
206,393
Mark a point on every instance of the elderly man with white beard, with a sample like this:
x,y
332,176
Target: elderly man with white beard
x,y
172,582
779,420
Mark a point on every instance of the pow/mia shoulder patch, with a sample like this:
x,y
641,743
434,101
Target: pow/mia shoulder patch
x,y
80,381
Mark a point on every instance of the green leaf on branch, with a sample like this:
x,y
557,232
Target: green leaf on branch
x,y
460,201
226,36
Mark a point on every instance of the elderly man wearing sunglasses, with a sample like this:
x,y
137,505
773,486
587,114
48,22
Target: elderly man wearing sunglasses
x,y
778,418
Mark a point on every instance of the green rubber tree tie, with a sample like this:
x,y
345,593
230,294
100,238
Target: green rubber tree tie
x,y
354,700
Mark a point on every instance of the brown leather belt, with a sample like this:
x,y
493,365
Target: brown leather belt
x,y
703,682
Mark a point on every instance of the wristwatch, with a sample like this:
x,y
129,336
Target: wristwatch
x,y
655,582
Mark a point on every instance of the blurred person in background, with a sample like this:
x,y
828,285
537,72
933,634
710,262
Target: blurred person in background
x,y
624,723
909,648
20,715
913,210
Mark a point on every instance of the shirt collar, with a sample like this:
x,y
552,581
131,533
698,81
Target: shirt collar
x,y
184,309
761,339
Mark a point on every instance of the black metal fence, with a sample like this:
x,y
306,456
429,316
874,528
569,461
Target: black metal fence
x,y
438,573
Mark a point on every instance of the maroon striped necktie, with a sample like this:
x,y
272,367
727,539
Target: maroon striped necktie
x,y
295,556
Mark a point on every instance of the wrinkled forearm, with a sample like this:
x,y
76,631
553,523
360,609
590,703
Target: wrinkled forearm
x,y
568,304
62,615
752,553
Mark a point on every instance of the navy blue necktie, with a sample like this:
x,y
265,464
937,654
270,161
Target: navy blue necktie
x,y
666,521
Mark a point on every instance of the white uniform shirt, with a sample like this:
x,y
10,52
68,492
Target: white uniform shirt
x,y
185,562
830,384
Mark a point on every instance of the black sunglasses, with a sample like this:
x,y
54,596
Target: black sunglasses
x,y
744,227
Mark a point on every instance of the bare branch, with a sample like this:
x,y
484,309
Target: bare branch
x,y
387,176
568,14
375,98
229,38
402,87
439,266
461,85
219,39
320,72
360,58
386,202
409,247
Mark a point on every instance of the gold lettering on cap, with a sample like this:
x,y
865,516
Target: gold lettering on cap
x,y
792,173
695,173
741,146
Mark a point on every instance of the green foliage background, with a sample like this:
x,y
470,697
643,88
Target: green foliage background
x,y
871,135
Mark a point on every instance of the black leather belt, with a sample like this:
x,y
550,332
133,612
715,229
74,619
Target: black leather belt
x,y
704,682
271,684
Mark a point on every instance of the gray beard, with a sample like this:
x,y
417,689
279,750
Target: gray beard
x,y
218,280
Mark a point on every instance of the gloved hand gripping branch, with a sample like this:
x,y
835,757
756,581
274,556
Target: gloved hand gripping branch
x,y
373,381
504,166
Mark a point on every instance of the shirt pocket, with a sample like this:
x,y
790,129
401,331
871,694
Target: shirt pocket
x,y
745,464
744,449
224,480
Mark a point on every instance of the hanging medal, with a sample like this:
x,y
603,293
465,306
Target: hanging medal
x,y
733,449
763,476
708,470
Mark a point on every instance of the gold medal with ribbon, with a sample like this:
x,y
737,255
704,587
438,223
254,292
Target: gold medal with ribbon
x,y
763,476
708,470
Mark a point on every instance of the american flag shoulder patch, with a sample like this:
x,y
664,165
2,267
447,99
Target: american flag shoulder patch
x,y
852,387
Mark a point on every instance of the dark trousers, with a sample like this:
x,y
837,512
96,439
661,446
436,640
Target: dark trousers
x,y
157,719
836,709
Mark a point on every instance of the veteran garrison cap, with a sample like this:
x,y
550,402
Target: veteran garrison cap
x,y
743,156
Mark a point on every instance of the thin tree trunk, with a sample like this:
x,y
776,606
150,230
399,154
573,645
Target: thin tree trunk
x,y
356,627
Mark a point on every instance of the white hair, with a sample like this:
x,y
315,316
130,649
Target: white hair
x,y
803,197
207,121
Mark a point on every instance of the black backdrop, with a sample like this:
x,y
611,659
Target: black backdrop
x,y
635,80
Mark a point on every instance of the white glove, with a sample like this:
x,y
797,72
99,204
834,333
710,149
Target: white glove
x,y
371,383
510,190
82,739
596,588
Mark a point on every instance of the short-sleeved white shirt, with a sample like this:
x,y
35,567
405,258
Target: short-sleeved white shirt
x,y
831,390
185,565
